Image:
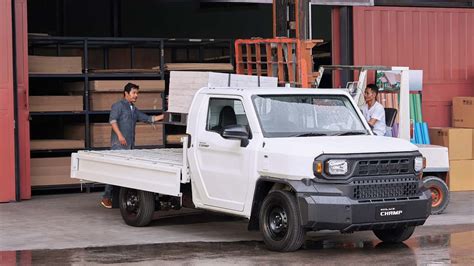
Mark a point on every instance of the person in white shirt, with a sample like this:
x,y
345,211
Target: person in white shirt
x,y
373,111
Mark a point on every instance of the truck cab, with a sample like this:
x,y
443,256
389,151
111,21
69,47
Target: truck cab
x,y
289,160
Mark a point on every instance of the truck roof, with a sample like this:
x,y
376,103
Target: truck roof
x,y
243,91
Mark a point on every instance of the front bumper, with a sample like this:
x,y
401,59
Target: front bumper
x,y
338,212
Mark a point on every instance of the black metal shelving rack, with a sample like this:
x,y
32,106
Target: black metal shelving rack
x,y
84,44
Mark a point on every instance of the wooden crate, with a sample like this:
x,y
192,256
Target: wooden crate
x,y
56,144
51,171
102,101
54,64
55,103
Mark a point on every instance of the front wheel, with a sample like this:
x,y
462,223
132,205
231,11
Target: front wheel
x,y
395,235
136,206
280,223
439,193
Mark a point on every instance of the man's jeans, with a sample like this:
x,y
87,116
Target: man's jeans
x,y
108,191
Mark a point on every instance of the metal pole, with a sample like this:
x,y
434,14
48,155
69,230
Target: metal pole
x,y
310,21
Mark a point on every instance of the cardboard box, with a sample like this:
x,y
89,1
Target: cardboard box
x,y
145,135
102,101
51,171
54,64
117,85
56,144
463,112
458,140
55,103
461,175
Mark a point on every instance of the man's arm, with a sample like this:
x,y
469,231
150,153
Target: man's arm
x,y
121,138
113,118
142,117
372,122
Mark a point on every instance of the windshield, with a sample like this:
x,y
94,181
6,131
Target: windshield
x,y
307,115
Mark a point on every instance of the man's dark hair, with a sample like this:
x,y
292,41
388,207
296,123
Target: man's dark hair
x,y
128,88
373,88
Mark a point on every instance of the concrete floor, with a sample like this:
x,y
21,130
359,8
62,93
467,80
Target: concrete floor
x,y
77,221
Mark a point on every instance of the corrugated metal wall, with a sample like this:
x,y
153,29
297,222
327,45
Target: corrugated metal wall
x,y
7,140
7,158
439,41
21,28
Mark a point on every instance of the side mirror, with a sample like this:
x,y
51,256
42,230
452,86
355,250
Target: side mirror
x,y
237,132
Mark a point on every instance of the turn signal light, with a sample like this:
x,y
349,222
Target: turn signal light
x,y
318,167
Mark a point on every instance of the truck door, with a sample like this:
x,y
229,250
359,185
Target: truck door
x,y
222,163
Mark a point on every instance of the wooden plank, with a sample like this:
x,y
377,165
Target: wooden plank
x,y
51,171
118,85
102,101
127,70
55,64
224,67
174,139
145,135
56,144
55,103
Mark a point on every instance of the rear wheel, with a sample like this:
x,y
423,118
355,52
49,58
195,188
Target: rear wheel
x,y
439,193
280,223
395,235
136,206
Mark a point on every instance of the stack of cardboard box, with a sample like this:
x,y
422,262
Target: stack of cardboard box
x,y
460,141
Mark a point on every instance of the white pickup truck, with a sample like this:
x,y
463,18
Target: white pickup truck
x,y
289,160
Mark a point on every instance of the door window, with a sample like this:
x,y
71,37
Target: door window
x,y
225,112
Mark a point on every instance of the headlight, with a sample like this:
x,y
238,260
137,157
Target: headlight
x,y
337,167
419,164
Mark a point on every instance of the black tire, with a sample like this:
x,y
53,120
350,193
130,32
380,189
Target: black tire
x,y
136,206
395,235
280,222
439,193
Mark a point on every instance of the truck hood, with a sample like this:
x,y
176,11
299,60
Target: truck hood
x,y
292,158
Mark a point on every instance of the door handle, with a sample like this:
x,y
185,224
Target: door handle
x,y
203,145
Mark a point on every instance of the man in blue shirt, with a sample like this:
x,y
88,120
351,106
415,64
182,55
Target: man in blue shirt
x,y
123,118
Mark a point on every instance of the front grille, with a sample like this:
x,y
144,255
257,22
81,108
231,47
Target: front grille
x,y
383,167
385,188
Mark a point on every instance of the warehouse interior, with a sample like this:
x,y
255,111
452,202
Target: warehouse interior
x,y
109,42
204,33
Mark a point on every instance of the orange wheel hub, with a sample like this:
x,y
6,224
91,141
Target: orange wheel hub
x,y
436,196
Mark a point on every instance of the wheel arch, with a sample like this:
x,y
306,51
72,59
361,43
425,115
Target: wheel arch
x,y
263,186
441,175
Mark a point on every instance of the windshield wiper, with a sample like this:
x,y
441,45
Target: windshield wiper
x,y
346,133
309,134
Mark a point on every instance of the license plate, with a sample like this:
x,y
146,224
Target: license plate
x,y
389,212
